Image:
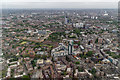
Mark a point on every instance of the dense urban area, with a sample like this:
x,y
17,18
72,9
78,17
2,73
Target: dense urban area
x,y
60,44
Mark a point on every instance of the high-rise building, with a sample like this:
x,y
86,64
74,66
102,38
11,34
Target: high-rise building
x,y
119,11
119,21
70,47
66,20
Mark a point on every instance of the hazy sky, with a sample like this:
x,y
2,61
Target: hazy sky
x,y
59,3
60,0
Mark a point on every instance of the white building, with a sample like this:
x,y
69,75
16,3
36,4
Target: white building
x,y
61,50
78,25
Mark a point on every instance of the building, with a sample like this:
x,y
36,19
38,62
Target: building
x,y
40,62
61,50
119,11
79,25
70,47
66,20
105,13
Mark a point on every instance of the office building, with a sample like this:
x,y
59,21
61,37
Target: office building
x,y
70,47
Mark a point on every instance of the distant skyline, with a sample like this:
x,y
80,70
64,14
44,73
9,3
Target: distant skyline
x,y
87,4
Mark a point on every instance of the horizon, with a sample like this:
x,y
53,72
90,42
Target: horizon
x,y
60,5
57,8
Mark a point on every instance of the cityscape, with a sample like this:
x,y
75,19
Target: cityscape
x,y
73,44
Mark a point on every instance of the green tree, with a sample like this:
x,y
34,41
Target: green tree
x,y
89,53
96,41
77,63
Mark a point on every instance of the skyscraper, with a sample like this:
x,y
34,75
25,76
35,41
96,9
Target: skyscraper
x,y
70,47
119,21
66,20
119,11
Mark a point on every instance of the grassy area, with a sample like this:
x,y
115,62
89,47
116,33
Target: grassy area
x,y
88,54
23,43
55,37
